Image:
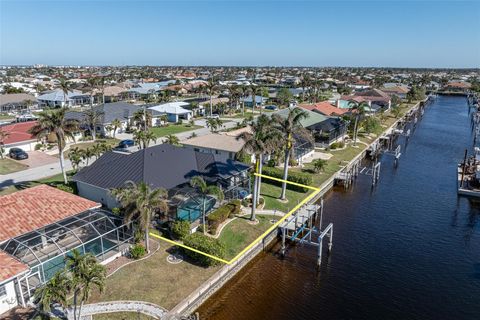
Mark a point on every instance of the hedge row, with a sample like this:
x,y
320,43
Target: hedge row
x,y
298,177
205,244
223,213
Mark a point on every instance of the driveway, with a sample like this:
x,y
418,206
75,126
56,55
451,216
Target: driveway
x,y
38,159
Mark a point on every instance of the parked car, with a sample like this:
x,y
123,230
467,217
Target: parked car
x,y
18,154
271,107
214,116
126,144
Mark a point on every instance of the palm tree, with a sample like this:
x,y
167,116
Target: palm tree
x,y
92,117
75,155
101,85
86,272
214,124
139,201
288,127
359,109
263,139
172,139
87,154
97,150
243,92
54,291
254,91
305,82
211,87
115,125
91,85
143,138
205,190
65,87
56,123
319,165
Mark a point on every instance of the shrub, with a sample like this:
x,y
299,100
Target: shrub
x,y
180,229
70,187
337,145
116,211
298,177
137,251
292,162
38,146
236,206
218,216
205,244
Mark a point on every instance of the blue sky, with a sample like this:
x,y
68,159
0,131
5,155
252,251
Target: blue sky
x,y
274,33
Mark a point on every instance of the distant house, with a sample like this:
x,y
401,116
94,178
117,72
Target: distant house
x,y
457,86
57,98
223,147
113,93
259,101
163,166
39,227
325,108
16,102
325,131
108,112
398,90
18,136
173,110
145,90
376,99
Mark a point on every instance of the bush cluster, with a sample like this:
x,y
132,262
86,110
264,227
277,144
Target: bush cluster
x,y
180,229
337,145
137,251
298,177
205,244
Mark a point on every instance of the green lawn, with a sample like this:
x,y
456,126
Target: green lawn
x,y
154,280
84,145
239,233
122,316
172,129
8,166
271,194
53,181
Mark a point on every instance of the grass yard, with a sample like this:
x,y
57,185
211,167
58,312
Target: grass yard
x,y
239,233
271,194
122,316
173,129
154,280
53,181
9,166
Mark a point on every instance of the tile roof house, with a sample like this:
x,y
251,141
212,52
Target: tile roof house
x,y
161,166
38,227
18,136
377,99
325,108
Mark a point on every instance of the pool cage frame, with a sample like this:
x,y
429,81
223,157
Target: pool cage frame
x,y
84,232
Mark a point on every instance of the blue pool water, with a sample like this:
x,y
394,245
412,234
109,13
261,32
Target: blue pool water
x,y
192,209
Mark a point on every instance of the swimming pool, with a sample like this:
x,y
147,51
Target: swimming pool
x,y
192,208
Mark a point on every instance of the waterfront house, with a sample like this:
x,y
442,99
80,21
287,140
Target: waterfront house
x,y
259,101
325,108
163,166
325,131
39,226
223,147
377,100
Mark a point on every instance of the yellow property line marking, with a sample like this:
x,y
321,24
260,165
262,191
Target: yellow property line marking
x,y
282,219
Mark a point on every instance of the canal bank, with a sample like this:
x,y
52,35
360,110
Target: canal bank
x,y
399,248
201,294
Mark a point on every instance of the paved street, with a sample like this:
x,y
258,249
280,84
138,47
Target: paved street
x,y
52,169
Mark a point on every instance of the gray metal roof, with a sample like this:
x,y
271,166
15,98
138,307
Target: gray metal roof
x,y
111,111
161,166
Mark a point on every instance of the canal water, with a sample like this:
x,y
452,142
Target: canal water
x,y
407,249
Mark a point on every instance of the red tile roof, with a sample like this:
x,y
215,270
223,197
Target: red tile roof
x,y
33,208
325,108
18,132
10,266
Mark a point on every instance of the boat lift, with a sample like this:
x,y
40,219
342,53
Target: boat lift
x,y
301,228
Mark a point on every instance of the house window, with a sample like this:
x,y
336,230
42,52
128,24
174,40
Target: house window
x,y
3,291
217,152
196,149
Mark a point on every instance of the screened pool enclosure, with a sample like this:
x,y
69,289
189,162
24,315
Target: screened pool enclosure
x,y
94,231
